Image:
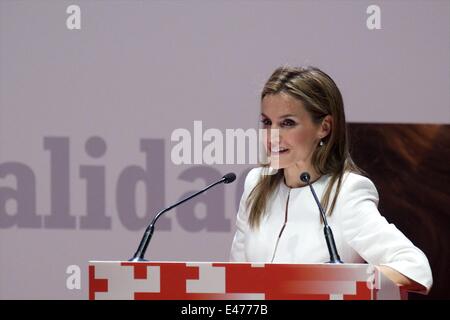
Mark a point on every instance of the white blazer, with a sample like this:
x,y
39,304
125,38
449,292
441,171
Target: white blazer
x,y
360,232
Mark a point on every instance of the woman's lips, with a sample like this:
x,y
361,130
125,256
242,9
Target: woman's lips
x,y
278,151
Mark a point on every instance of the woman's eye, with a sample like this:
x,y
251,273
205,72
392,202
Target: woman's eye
x,y
266,122
288,123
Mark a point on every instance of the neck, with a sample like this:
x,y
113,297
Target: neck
x,y
292,175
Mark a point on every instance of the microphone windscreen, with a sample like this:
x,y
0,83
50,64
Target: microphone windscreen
x,y
305,177
229,177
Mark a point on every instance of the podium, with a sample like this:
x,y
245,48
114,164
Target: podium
x,y
238,281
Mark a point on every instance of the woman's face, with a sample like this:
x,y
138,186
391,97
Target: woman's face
x,y
296,136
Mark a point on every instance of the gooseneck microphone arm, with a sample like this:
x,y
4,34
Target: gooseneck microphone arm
x,y
140,252
332,250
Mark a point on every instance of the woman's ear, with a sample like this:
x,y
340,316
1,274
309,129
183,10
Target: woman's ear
x,y
325,126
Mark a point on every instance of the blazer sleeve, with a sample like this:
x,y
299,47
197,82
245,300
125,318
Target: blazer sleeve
x,y
237,253
373,237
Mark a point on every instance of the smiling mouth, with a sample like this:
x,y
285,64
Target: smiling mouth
x,y
277,151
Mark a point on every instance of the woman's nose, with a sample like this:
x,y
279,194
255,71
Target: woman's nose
x,y
274,136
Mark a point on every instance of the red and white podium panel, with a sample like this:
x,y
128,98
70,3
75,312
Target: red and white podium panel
x,y
237,281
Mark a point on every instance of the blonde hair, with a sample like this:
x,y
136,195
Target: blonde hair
x,y
321,97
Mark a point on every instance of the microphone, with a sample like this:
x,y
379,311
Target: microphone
x,y
140,252
332,250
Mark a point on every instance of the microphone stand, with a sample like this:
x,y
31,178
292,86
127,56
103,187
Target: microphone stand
x,y
140,252
332,250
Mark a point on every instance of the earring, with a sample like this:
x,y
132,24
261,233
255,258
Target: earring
x,y
321,143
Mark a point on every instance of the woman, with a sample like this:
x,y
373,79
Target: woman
x,y
278,220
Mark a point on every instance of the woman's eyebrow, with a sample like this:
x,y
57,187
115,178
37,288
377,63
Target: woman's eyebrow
x,y
281,117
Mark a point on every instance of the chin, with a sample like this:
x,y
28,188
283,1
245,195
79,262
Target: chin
x,y
278,164
281,161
